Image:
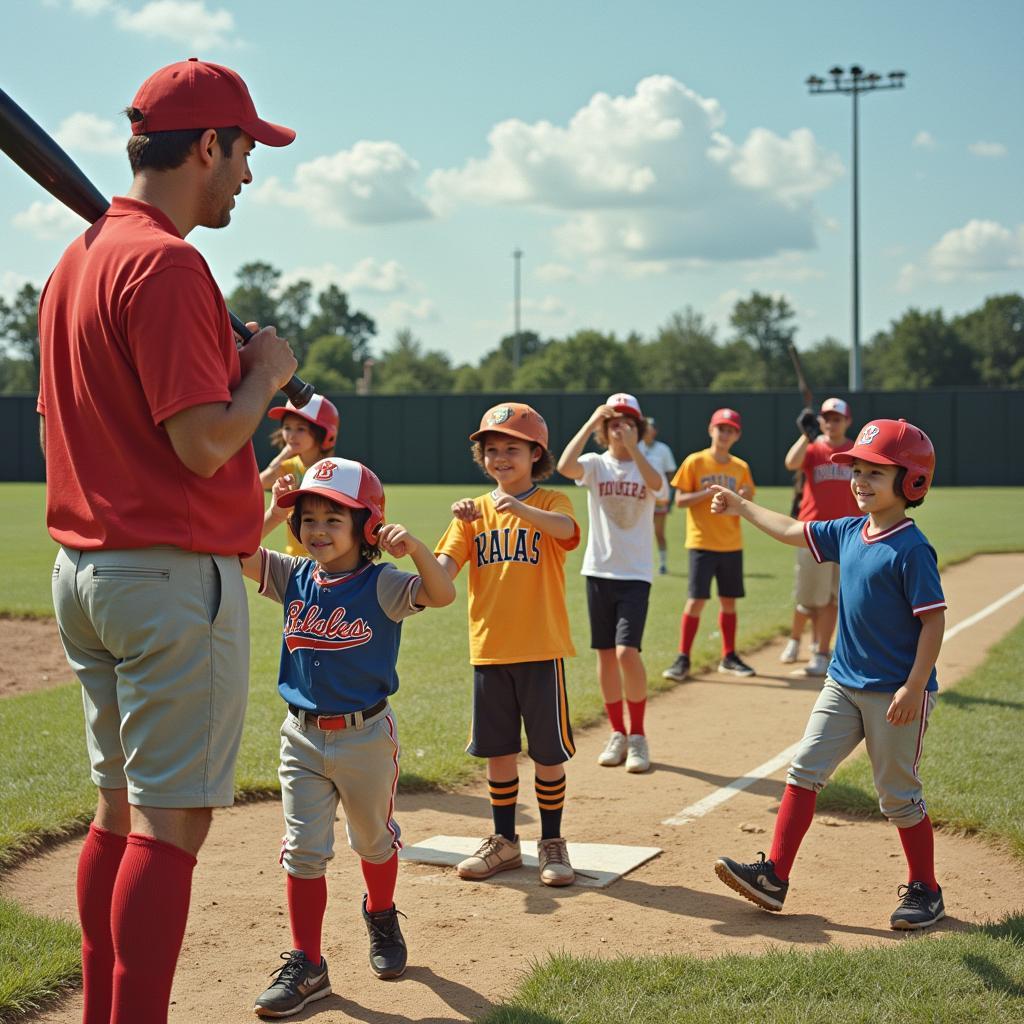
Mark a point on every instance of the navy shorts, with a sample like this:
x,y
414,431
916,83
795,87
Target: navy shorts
x,y
724,567
528,694
618,612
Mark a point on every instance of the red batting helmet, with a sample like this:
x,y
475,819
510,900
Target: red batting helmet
x,y
896,443
347,483
319,410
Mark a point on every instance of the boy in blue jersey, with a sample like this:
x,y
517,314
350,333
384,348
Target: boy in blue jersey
x,y
343,616
881,681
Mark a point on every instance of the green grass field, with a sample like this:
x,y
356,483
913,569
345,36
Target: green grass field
x,y
45,792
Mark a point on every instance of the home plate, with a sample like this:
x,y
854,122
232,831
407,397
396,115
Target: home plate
x,y
596,864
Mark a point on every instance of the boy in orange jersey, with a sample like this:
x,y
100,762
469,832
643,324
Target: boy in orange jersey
x,y
515,539
716,549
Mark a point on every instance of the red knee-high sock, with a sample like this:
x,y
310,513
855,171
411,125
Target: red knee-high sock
x,y
307,901
795,816
727,627
380,883
919,849
97,869
615,719
636,716
148,912
687,631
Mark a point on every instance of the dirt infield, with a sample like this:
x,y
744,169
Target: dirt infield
x,y
469,942
33,656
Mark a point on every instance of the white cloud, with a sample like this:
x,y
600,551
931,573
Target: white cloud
x,y
188,22
651,176
371,183
401,312
371,275
975,251
48,220
87,133
550,307
553,273
924,140
11,282
91,7
990,150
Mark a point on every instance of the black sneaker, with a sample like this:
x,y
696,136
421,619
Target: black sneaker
x,y
757,882
919,907
679,669
298,982
732,664
387,947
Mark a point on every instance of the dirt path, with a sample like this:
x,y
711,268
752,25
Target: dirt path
x,y
33,656
469,942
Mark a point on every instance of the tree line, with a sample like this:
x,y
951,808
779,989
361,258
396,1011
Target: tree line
x,y
337,348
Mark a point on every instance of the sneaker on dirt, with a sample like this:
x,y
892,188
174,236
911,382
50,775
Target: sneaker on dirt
x,y
679,669
553,861
732,665
388,954
757,882
614,752
494,854
790,652
298,982
817,666
919,907
639,757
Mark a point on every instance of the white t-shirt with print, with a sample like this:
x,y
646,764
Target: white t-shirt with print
x,y
621,507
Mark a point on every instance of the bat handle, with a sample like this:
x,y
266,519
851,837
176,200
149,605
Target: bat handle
x,y
297,391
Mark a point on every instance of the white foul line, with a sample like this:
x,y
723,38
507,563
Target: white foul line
x,y
721,795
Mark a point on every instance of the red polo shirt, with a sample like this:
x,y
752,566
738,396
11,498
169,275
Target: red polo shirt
x,y
827,493
133,329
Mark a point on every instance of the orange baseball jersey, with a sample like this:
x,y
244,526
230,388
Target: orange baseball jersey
x,y
516,581
704,530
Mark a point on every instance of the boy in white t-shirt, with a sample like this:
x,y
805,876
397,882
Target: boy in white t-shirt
x,y
623,488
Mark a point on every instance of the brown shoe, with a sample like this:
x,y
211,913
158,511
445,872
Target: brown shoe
x,y
553,860
495,853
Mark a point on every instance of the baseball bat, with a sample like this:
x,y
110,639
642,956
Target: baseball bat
x,y
36,153
808,397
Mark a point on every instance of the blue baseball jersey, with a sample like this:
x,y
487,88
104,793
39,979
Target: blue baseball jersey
x,y
887,581
341,630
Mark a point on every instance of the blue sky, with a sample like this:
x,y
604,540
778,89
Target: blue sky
x,y
644,155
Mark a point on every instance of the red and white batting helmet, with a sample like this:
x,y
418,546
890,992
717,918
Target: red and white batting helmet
x,y
319,410
516,419
626,405
896,443
348,483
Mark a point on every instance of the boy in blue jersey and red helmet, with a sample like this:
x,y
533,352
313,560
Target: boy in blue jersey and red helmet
x,y
881,681
343,616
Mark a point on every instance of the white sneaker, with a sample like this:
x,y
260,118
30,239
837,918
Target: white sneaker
x,y
817,666
639,757
814,647
790,652
614,752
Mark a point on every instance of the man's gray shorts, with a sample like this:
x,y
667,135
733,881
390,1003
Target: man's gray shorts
x,y
159,639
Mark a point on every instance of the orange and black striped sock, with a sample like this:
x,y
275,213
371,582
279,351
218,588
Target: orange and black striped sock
x,y
503,806
550,801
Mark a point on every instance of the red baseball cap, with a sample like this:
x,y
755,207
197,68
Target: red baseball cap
x,y
625,404
728,416
196,94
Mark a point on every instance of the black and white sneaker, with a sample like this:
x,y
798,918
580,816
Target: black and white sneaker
x,y
679,669
732,665
298,982
388,954
757,882
919,907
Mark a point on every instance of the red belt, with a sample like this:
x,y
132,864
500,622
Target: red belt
x,y
349,720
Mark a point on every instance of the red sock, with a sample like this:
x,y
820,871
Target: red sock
x,y
307,901
727,627
687,631
97,869
614,710
636,716
795,816
380,884
148,912
919,849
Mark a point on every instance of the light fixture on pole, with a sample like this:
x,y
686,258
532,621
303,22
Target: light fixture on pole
x,y
517,346
854,83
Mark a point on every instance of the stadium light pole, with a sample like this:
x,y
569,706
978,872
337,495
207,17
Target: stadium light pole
x,y
517,354
854,83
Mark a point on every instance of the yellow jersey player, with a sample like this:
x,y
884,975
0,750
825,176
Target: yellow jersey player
x,y
514,540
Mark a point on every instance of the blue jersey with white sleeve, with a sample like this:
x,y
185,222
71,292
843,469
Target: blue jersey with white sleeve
x,y
341,630
886,581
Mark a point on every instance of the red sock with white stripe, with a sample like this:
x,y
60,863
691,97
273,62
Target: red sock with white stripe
x,y
97,871
688,626
615,719
307,902
796,812
148,912
380,884
727,627
919,849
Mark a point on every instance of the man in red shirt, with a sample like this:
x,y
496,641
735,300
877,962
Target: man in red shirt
x,y
148,409
826,495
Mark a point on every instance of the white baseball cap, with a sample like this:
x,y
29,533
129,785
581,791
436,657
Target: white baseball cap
x,y
626,404
836,405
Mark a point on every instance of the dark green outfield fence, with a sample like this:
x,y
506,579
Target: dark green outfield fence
x,y
423,438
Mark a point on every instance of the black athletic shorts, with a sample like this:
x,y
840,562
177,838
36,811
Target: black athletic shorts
x,y
725,567
530,694
618,612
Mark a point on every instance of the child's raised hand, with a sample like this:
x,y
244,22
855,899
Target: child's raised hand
x,y
466,510
603,412
394,539
625,431
724,502
282,485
